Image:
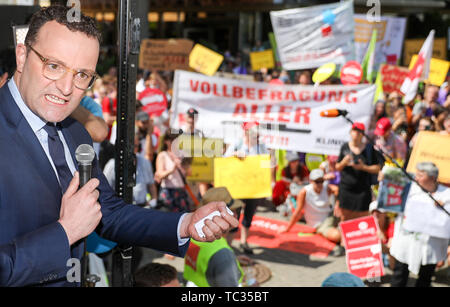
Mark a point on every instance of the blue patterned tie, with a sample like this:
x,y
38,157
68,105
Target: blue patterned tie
x,y
56,149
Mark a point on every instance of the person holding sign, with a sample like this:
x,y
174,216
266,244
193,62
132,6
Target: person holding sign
x,y
422,234
249,145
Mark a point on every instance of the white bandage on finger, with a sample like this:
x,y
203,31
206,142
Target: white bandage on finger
x,y
199,225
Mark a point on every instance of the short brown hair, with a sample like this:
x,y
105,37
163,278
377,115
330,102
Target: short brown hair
x,y
155,275
59,14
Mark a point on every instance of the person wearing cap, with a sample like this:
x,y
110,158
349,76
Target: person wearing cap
x,y
315,199
388,141
214,264
295,172
357,161
249,145
191,120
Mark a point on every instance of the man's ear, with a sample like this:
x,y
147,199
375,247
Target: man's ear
x,y
21,56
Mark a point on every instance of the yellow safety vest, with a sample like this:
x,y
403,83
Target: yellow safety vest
x,y
197,259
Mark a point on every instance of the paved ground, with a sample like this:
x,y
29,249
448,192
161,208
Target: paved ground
x,y
290,269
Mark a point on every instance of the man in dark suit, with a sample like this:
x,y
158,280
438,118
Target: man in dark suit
x,y
43,214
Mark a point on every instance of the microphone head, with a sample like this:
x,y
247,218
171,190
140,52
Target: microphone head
x,y
85,154
330,113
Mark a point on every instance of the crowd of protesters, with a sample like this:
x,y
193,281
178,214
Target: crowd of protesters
x,y
341,189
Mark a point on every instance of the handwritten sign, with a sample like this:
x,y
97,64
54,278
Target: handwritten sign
x,y
432,147
246,178
262,59
204,60
392,77
165,54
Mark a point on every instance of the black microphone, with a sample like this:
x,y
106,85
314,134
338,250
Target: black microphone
x,y
333,113
85,154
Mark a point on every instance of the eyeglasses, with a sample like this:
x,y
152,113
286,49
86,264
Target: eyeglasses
x,y
319,181
54,70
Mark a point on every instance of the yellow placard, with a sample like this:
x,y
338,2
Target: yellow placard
x,y
204,60
202,170
432,147
438,70
246,178
262,59
412,47
324,72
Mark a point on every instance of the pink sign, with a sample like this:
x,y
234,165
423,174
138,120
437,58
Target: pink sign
x,y
363,247
154,101
351,73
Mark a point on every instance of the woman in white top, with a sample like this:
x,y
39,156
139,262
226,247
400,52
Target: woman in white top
x,y
315,198
422,233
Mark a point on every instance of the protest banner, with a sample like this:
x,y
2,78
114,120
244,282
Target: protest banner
x,y
204,60
390,36
289,115
153,100
392,77
262,59
165,54
432,147
412,47
229,75
363,247
244,178
438,70
312,36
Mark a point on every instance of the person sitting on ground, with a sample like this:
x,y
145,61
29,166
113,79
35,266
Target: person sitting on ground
x,y
156,275
315,199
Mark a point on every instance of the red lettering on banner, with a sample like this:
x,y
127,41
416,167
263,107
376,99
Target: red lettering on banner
x,y
254,111
276,95
322,97
394,199
194,86
237,92
250,93
304,98
215,90
302,113
205,88
336,96
349,99
262,93
240,110
225,94
284,111
267,113
290,96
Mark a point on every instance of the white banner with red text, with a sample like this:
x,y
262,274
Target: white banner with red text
x,y
289,115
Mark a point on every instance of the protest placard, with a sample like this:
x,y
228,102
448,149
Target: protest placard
x,y
153,100
392,195
412,47
289,115
262,59
392,77
390,36
244,178
438,70
205,60
432,147
165,54
312,36
363,247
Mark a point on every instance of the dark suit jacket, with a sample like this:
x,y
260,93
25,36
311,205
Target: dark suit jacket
x,y
34,248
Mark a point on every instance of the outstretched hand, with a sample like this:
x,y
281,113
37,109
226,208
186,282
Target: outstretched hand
x,y
214,228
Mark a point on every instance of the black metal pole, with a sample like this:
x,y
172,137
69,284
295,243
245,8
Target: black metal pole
x,y
125,163
397,165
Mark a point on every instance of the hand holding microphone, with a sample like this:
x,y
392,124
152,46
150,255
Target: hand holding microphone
x,y
80,211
